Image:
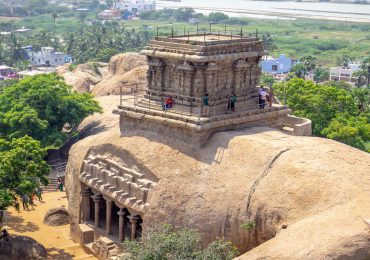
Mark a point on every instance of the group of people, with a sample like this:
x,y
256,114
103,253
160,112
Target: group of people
x,y
30,199
60,184
230,104
265,96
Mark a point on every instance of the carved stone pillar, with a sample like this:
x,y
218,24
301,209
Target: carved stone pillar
x,y
186,85
210,78
97,198
156,76
121,225
108,215
134,219
199,81
86,193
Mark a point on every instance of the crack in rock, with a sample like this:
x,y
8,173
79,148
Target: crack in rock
x,y
263,175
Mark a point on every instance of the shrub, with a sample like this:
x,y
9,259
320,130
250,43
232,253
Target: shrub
x,y
166,243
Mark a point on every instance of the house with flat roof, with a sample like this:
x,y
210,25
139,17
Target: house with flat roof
x,y
341,73
48,56
136,6
279,65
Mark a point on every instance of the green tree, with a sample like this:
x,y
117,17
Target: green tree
x,y
22,169
217,17
165,243
82,16
54,15
337,112
299,70
40,106
320,74
309,61
365,66
351,130
267,80
104,55
361,77
268,42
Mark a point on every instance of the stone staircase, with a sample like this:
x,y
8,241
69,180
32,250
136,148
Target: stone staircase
x,y
52,186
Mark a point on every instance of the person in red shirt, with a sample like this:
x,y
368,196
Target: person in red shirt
x,y
168,102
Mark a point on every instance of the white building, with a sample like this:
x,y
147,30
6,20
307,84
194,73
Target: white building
x,y
136,6
344,74
47,56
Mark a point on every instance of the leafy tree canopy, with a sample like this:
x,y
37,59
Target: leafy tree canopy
x,y
217,17
22,169
165,243
336,111
40,107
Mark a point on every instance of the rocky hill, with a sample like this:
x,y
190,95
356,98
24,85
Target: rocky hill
x,y
307,197
103,79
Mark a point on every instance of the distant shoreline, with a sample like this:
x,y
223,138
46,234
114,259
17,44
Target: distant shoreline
x,y
239,12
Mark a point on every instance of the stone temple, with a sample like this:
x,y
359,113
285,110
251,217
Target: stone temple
x,y
188,67
124,189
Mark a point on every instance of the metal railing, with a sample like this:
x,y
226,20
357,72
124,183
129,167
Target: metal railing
x,y
188,108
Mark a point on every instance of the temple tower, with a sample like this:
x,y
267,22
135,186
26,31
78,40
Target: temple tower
x,y
188,67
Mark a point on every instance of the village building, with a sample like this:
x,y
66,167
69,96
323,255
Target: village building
x,y
279,65
110,14
135,7
48,56
345,74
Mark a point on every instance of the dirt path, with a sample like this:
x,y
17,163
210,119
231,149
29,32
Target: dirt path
x,y
56,240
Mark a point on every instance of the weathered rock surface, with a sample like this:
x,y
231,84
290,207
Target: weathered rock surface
x,y
318,189
56,217
104,79
22,248
84,77
126,68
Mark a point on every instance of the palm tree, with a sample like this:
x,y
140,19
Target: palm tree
x,y
309,61
268,42
54,15
365,65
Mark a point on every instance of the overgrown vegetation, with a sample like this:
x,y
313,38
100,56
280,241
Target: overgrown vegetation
x,y
166,243
34,112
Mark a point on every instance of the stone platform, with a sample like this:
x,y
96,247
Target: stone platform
x,y
195,130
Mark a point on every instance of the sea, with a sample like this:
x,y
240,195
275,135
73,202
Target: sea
x,y
277,9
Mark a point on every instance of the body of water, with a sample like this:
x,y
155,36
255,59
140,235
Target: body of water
x,y
284,10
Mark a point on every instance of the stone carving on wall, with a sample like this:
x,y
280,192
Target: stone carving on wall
x,y
124,184
155,74
186,72
211,74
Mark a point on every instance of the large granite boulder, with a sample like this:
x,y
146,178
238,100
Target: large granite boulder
x,y
22,248
306,196
125,68
56,217
102,79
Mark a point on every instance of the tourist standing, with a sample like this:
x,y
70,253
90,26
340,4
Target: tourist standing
x,y
205,102
59,182
262,98
231,103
